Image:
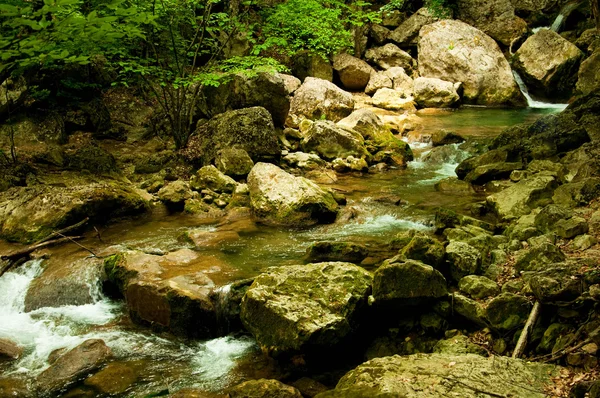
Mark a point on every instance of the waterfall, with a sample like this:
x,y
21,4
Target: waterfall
x,y
534,103
563,15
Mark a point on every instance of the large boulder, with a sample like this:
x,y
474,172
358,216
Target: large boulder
x,y
435,93
32,213
588,77
318,98
170,292
332,141
234,162
442,375
378,80
267,90
311,65
407,34
390,56
209,177
407,283
457,52
508,311
463,259
393,100
353,72
519,199
279,198
9,350
250,129
263,388
496,18
72,366
548,64
305,309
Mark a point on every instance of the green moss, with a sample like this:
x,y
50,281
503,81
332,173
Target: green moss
x,y
116,273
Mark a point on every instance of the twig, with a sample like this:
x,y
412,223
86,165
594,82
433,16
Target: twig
x,y
78,244
522,343
63,231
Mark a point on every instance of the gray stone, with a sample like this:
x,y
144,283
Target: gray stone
x,y
478,286
463,259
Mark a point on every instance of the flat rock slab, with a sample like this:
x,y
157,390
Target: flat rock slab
x,y
440,375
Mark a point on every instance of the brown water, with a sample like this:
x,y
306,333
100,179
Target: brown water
x,y
380,204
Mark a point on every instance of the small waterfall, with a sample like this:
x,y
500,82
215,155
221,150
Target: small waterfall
x,y
564,14
534,103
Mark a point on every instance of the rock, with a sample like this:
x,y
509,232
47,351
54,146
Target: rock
x,y
234,162
444,137
336,251
91,158
555,283
531,5
454,185
454,51
538,257
549,216
496,18
390,56
305,161
577,193
73,365
435,93
423,247
508,311
14,387
584,242
368,124
32,213
194,393
9,350
407,34
478,376
393,100
478,286
279,198
115,378
551,335
458,345
349,164
588,41
317,99
178,301
463,259
65,283
353,72
572,227
445,154
378,80
311,65
519,199
493,171
309,387
401,81
263,388
250,129
306,308
175,193
209,177
548,64
332,141
379,34
270,91
407,283
470,309
588,77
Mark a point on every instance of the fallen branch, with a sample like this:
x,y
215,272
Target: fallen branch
x,y
63,231
522,343
78,244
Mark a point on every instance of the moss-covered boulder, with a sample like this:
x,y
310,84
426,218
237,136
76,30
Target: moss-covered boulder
x,y
463,259
305,309
441,375
425,248
469,309
209,177
538,256
507,311
407,283
279,198
234,162
91,158
32,213
331,141
175,193
263,388
169,292
336,251
478,286
578,193
521,198
557,282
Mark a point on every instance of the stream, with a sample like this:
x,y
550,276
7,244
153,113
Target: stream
x,y
383,204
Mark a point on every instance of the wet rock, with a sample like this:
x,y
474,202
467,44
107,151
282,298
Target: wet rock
x,y
577,193
519,199
423,247
353,72
318,98
507,311
378,80
407,283
393,100
168,292
312,65
280,198
588,77
435,93
495,156
32,213
336,251
458,345
557,282
444,137
390,56
478,286
65,283
571,227
407,34
9,350
209,177
13,387
234,162
264,388
463,259
456,52
307,308
250,129
266,90
115,378
454,185
493,171
548,63
478,376
333,141
73,366
444,154
537,257
195,393
175,193
496,18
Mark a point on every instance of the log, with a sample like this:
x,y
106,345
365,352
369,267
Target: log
x,y
62,232
522,343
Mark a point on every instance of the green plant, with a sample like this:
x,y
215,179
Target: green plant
x,y
441,8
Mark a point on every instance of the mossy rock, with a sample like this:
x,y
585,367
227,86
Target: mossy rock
x,y
336,251
508,311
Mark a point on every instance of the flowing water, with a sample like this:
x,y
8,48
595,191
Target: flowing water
x,y
381,205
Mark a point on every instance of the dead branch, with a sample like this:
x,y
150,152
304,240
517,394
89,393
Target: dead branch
x,y
522,343
13,259
63,231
